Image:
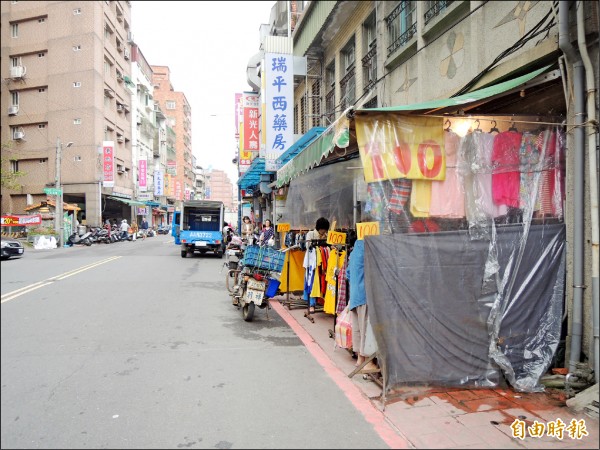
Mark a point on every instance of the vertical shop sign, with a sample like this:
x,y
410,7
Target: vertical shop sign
x,y
238,99
159,184
142,169
108,163
250,134
178,193
280,107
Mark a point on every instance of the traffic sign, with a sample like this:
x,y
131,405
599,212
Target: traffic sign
x,y
53,191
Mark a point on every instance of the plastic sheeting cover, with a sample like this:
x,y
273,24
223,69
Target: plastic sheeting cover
x,y
432,316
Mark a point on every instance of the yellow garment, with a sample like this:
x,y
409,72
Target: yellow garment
x,y
420,198
296,258
329,306
316,287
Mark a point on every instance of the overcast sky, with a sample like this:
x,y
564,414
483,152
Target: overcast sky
x,y
207,45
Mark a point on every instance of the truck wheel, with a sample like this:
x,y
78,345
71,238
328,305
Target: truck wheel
x,y
220,254
248,311
183,253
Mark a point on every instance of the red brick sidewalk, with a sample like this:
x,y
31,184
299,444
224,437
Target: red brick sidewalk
x,y
430,417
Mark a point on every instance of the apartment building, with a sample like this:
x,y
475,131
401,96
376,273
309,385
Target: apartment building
x,y
220,188
178,112
64,67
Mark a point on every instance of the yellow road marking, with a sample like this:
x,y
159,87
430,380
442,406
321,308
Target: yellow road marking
x,y
32,287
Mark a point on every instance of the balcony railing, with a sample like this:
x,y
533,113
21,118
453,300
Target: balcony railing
x,y
401,18
348,87
369,62
330,105
436,8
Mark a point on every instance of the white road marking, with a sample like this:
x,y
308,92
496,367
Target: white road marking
x,y
32,287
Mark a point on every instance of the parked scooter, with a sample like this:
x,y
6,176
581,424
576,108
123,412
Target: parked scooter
x,y
80,240
257,280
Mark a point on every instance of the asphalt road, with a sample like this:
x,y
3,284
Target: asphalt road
x,y
128,345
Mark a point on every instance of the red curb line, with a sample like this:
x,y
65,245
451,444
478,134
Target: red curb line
x,y
372,415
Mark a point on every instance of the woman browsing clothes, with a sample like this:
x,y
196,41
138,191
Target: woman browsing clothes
x,y
267,234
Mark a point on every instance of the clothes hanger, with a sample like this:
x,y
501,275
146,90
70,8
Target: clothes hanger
x,y
447,122
494,129
479,130
513,127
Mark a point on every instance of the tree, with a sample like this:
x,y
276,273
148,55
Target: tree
x,y
9,178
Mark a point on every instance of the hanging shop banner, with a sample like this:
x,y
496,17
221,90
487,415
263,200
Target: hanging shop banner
x,y
142,173
398,146
238,99
250,105
169,185
172,167
108,163
21,221
178,191
159,183
142,211
280,103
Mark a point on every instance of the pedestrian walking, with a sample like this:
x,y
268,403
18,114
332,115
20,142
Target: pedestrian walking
x,y
144,228
124,229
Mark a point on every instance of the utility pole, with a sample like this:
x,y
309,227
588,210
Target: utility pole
x,y
58,210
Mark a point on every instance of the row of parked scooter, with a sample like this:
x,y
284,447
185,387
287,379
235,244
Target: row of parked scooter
x,y
105,236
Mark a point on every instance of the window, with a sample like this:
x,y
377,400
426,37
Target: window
x,y
76,84
41,20
76,48
316,103
107,68
330,75
171,104
369,61
348,54
401,25
40,90
43,160
41,125
434,8
108,133
107,32
41,55
76,121
76,11
14,97
14,30
14,165
296,118
15,61
303,115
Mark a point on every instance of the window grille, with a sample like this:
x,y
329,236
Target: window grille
x,y
303,115
316,104
369,63
348,88
435,8
401,25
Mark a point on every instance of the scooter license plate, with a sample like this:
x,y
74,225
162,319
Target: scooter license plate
x,y
254,296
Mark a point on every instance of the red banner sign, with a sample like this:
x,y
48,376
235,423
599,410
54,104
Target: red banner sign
x,y
21,221
108,163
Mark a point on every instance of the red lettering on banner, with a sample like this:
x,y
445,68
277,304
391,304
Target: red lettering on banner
x,y
422,158
372,150
402,157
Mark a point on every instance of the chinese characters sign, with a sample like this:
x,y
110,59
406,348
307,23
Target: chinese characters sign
x,y
142,169
280,107
108,163
238,100
159,184
178,191
250,130
21,221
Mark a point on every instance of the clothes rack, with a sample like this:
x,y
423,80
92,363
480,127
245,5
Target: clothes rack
x,y
318,308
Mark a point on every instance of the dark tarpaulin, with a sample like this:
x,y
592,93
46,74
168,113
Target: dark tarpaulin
x,y
437,321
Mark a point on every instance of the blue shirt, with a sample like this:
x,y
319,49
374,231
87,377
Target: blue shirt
x,y
356,276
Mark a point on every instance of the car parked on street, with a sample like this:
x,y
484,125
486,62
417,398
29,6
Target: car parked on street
x,y
11,247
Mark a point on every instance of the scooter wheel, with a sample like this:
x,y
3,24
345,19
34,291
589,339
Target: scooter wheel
x,y
248,312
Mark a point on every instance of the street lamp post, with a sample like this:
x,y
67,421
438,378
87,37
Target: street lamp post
x,y
58,213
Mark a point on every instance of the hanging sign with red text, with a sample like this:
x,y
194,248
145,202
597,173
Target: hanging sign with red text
x,y
397,146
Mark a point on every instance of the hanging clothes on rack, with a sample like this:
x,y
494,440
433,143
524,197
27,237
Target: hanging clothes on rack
x,y
335,262
447,196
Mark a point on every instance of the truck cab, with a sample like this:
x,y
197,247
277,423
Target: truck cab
x,y
197,228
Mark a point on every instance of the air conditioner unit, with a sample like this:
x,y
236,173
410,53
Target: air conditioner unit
x,y
17,72
120,138
18,135
13,110
130,37
126,53
120,170
120,108
109,93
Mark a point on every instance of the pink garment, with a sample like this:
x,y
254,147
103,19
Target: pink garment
x,y
549,197
447,196
506,175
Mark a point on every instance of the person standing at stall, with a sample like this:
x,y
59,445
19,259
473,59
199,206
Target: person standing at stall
x,y
267,234
247,228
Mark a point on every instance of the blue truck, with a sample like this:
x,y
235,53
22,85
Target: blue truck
x,y
197,227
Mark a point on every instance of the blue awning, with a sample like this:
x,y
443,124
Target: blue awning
x,y
300,144
251,177
151,203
